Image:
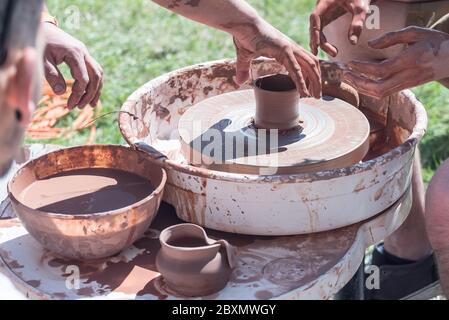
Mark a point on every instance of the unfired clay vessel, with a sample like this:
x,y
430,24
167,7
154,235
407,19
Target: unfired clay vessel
x,y
191,263
277,102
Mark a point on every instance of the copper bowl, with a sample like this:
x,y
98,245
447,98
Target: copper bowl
x,y
89,236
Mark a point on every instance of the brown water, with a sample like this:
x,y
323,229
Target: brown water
x,y
188,242
86,191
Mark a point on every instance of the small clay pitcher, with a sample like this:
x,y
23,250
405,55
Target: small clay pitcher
x,y
191,263
277,102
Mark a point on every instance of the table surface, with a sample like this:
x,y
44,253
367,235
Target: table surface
x,y
311,266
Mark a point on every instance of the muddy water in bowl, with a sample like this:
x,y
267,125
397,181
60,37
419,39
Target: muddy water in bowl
x,y
86,191
88,202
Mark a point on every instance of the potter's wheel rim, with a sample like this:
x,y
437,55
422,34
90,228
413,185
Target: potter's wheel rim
x,y
59,216
168,164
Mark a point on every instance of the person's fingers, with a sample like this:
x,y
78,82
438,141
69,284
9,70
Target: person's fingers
x,y
359,10
95,79
315,32
385,68
79,72
311,67
243,64
332,12
406,79
366,86
54,78
327,47
386,87
324,13
295,72
378,70
404,36
96,99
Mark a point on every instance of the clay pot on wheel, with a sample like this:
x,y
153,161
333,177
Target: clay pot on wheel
x,y
191,263
277,102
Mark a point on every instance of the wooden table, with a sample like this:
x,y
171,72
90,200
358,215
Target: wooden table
x,y
314,266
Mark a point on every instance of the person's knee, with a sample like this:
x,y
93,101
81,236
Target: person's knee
x,y
437,208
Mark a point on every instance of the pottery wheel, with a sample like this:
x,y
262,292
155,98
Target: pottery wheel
x,y
219,134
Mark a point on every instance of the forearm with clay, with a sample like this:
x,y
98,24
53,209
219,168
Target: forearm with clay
x,y
233,16
253,37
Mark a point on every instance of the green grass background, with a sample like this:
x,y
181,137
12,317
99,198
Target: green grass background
x,y
136,40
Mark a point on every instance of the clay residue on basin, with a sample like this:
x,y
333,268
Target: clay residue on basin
x,y
86,191
384,135
277,195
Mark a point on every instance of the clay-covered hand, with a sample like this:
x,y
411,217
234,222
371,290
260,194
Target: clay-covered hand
x,y
87,73
303,67
327,11
425,58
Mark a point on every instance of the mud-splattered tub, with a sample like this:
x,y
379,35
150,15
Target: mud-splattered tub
x,y
278,204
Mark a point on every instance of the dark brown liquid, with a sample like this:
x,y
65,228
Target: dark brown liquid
x,y
278,83
188,242
86,191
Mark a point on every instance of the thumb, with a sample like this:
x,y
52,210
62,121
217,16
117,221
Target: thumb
x,y
359,10
355,30
243,65
404,36
54,78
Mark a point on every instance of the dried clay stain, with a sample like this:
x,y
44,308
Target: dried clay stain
x,y
359,187
378,194
161,111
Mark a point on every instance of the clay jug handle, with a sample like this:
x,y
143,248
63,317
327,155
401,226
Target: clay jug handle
x,y
231,253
